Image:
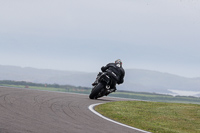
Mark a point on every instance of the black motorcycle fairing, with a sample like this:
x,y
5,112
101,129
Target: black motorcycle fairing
x,y
105,79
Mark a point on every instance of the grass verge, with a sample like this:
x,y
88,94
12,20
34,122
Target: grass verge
x,y
154,117
123,94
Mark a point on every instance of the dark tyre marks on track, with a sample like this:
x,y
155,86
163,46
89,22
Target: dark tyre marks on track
x,y
33,111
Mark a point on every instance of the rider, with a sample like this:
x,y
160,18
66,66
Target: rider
x,y
116,72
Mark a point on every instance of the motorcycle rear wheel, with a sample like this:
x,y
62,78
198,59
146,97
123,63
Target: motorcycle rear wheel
x,y
96,90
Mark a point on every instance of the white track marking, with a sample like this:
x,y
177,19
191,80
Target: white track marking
x,y
91,108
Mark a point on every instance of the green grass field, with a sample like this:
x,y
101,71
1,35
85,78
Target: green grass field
x,y
37,88
69,89
157,97
156,117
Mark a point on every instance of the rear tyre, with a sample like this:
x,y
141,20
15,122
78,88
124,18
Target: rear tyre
x,y
95,91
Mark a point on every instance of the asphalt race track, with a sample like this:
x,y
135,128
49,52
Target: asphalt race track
x,y
33,111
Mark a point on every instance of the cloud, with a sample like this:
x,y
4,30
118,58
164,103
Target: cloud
x,y
158,35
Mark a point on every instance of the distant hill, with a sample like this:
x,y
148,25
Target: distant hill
x,y
46,76
153,81
135,79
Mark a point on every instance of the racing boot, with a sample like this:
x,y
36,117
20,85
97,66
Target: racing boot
x,y
96,81
113,90
110,91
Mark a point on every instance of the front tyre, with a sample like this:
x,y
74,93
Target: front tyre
x,y
96,90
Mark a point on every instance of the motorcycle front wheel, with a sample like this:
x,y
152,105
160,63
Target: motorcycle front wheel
x,y
95,91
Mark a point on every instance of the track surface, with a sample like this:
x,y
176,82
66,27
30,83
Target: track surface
x,y
33,111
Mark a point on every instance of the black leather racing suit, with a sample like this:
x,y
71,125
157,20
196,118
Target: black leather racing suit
x,y
116,73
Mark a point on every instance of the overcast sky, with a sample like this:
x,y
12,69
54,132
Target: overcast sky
x,y
83,35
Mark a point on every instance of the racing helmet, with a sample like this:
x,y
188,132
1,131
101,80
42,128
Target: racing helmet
x,y
118,62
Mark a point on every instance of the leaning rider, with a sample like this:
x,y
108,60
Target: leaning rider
x,y
116,72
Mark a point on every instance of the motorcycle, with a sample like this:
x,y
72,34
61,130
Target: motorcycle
x,y
102,88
